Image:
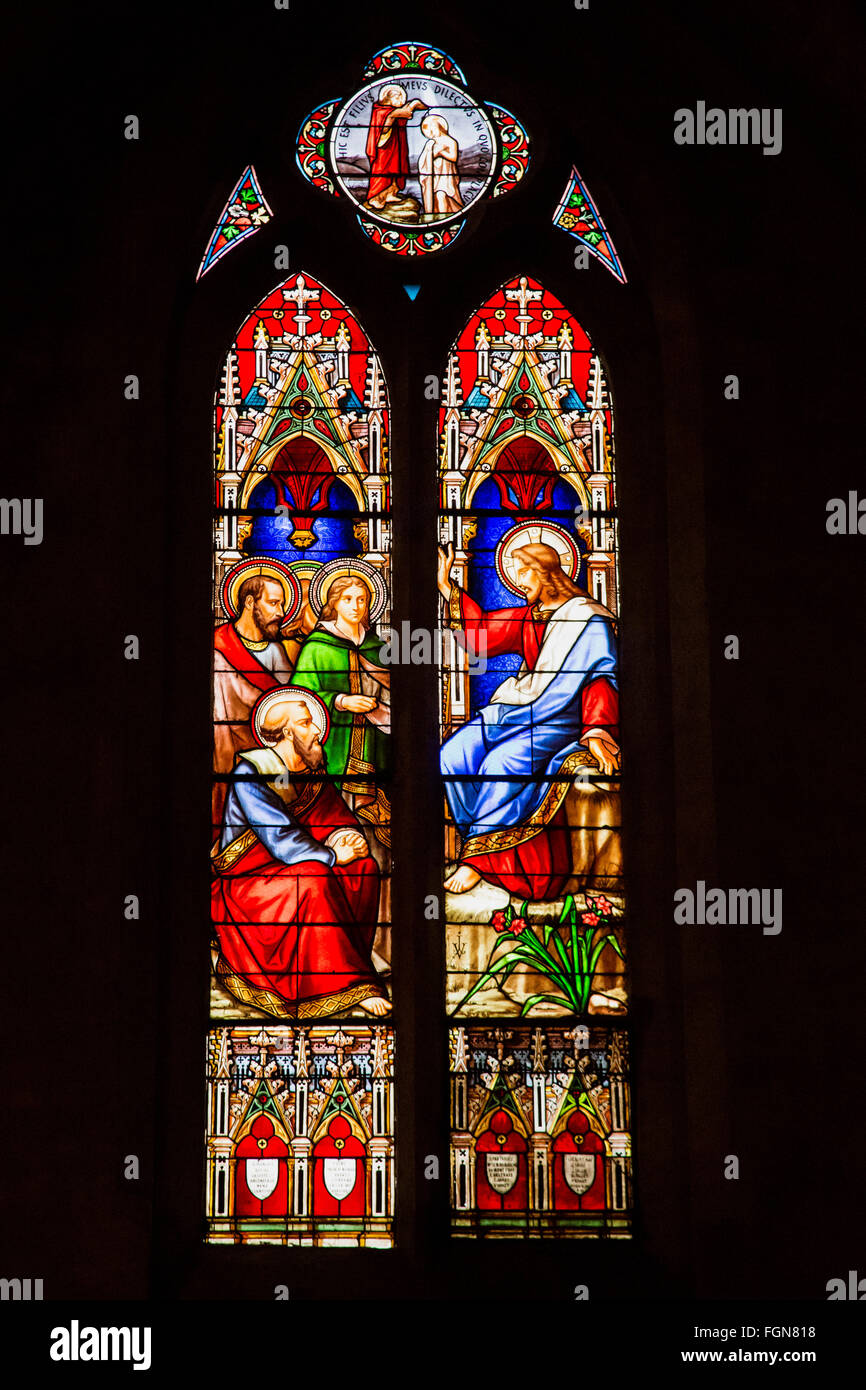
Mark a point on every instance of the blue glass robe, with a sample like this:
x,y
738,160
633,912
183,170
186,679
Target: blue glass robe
x,y
506,743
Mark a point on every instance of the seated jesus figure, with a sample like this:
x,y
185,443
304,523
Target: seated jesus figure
x,y
539,724
296,890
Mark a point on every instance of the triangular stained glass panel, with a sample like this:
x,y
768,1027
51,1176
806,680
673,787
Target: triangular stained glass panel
x,y
244,213
578,215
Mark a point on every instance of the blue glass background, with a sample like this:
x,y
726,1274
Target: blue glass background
x,y
334,534
484,584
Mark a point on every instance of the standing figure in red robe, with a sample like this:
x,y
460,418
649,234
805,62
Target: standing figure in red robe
x,y
388,150
296,891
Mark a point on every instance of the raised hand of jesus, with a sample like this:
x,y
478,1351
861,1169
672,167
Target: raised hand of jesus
x,y
443,575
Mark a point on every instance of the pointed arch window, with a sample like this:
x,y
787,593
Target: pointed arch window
x,y
535,913
300,1061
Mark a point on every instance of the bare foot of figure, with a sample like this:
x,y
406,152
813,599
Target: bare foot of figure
x,y
375,1005
462,880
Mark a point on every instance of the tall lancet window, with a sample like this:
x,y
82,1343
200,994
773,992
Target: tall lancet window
x,y
535,909
300,1053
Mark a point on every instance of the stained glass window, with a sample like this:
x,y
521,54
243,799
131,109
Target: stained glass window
x,y
535,906
300,1119
413,150
300,1136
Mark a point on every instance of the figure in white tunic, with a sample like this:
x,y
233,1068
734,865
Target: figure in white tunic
x,y
437,169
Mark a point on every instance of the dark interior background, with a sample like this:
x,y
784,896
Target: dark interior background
x,y
744,773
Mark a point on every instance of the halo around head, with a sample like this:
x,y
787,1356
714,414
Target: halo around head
x,y
434,119
291,694
269,569
535,533
304,569
356,569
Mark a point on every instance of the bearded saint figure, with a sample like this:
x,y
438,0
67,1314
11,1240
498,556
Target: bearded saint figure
x,y
295,890
388,150
249,658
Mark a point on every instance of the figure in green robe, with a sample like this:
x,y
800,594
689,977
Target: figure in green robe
x,y
340,662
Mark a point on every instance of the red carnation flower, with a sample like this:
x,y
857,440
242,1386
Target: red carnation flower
x,y
590,918
498,921
519,924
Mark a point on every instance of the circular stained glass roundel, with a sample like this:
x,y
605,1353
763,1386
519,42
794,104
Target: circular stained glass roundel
x,y
412,151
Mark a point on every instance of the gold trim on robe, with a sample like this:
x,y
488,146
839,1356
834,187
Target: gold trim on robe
x,y
455,607
271,1003
495,840
372,805
222,861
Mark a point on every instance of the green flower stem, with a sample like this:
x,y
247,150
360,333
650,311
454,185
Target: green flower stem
x,y
573,975
537,953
